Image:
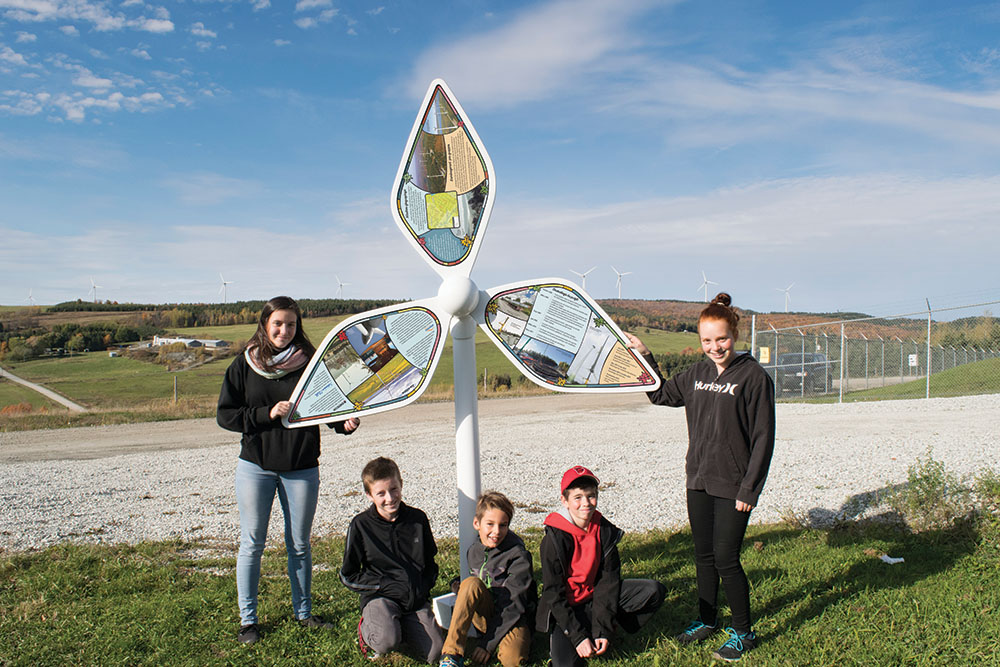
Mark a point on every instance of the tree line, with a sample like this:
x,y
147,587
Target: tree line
x,y
24,345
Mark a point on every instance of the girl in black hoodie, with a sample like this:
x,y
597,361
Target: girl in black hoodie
x,y
273,460
729,402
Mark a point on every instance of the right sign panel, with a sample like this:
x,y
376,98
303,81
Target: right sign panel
x,y
561,339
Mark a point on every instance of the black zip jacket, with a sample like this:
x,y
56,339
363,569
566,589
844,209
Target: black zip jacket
x,y
390,559
730,419
245,403
508,572
556,553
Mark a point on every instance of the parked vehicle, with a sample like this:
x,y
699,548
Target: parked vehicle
x,y
809,373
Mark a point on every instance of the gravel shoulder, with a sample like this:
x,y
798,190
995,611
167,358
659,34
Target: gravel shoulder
x,y
175,479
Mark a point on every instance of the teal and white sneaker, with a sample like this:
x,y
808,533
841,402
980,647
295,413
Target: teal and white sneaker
x,y
737,644
696,632
452,661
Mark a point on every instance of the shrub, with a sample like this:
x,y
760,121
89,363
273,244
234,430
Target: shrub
x,y
932,496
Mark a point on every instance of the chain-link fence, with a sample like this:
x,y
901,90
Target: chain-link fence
x,y
912,355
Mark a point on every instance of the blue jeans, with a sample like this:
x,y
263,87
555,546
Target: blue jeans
x,y
298,491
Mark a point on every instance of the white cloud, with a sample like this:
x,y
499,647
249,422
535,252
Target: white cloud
x,y
12,57
544,50
69,30
376,11
88,11
203,46
142,54
208,188
306,5
260,4
305,23
153,25
281,42
87,79
199,30
25,37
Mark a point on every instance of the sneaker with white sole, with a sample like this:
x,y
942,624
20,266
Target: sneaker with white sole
x,y
737,644
248,634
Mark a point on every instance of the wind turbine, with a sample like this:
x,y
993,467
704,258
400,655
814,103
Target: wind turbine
x,y
540,325
224,288
788,297
583,276
93,288
30,300
619,284
340,287
705,282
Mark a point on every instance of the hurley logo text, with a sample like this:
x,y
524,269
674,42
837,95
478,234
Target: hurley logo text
x,y
728,388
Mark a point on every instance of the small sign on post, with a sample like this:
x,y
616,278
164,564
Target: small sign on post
x,y
764,354
913,361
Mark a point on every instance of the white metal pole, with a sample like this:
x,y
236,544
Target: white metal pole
x,y
753,336
842,357
467,472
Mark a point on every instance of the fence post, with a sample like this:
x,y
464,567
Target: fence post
x,y
826,376
866,359
753,334
175,390
900,358
927,392
883,358
842,357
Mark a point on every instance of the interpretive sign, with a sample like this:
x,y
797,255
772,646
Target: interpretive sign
x,y
550,329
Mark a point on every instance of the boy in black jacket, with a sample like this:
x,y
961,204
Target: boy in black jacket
x,y
389,561
498,597
583,594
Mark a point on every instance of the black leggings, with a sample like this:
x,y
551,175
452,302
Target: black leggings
x,y
718,528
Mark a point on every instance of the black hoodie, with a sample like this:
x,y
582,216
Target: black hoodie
x,y
730,420
390,559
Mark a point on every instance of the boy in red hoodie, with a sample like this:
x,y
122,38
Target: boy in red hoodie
x,y
583,594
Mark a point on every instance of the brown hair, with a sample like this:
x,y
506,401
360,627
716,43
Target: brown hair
x,y
265,349
494,500
585,482
720,309
380,468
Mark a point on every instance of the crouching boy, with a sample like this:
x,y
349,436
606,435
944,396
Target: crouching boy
x,y
583,594
499,597
389,561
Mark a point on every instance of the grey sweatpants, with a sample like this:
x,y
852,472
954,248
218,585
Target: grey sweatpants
x,y
385,627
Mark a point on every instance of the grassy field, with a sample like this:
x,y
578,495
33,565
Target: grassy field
x,y
121,390
14,394
819,598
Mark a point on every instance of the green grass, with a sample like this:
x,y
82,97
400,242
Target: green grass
x,y
12,393
819,598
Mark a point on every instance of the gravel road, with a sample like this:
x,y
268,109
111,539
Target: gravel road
x,y
175,479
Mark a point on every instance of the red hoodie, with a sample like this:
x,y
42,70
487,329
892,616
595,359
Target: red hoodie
x,y
586,555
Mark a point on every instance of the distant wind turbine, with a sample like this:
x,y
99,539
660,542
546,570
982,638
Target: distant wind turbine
x,y
224,289
788,297
30,300
93,288
583,276
705,282
340,287
620,274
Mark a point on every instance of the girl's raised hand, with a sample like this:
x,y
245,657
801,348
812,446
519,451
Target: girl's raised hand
x,y
636,344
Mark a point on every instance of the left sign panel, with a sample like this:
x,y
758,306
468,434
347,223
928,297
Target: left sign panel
x,y
376,361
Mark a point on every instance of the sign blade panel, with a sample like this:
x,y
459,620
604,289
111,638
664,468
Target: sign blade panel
x,y
372,362
445,185
561,339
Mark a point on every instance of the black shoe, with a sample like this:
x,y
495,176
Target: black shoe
x,y
248,634
315,622
737,644
696,632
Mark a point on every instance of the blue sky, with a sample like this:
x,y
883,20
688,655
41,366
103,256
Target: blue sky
x,y
850,148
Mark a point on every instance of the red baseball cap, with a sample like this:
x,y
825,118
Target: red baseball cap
x,y
575,473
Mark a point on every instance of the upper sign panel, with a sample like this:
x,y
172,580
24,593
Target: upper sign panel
x,y
561,339
445,185
376,361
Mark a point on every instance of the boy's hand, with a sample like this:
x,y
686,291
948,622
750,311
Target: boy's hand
x,y
600,646
585,649
351,425
480,655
